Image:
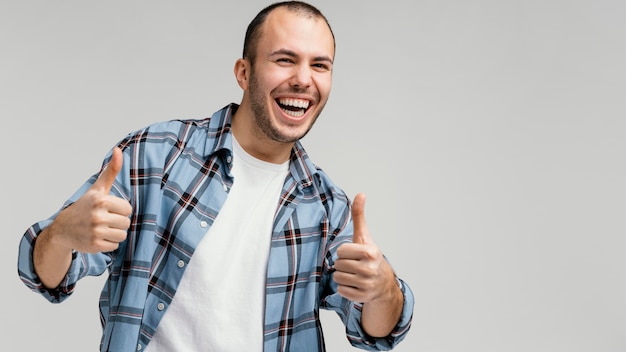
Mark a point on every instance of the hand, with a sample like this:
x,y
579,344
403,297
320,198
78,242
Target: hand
x,y
362,273
97,221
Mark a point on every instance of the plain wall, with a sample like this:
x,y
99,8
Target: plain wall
x,y
489,137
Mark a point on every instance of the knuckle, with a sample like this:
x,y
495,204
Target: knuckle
x,y
371,252
100,202
95,220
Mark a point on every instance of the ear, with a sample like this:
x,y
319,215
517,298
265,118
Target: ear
x,y
242,73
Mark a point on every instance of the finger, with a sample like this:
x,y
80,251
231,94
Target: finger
x,y
351,293
361,234
345,279
110,234
363,267
120,222
352,251
350,266
116,235
348,286
107,177
119,206
103,246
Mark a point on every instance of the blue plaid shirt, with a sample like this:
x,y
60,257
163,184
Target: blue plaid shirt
x,y
176,175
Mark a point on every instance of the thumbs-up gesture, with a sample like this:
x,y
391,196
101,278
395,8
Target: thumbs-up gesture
x,y
361,271
97,221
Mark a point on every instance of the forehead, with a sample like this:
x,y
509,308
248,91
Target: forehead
x,y
300,33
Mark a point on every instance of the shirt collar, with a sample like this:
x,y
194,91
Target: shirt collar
x,y
220,135
220,139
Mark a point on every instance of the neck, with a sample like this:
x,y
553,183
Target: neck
x,y
255,142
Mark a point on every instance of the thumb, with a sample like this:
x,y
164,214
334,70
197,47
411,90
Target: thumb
x,y
107,176
361,234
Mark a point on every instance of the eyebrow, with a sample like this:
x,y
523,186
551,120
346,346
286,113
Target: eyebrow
x,y
293,54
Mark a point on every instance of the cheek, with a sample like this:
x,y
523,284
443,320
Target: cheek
x,y
324,85
275,76
324,81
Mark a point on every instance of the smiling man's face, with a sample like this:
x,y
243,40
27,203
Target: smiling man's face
x,y
291,78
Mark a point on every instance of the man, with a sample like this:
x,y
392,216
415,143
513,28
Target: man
x,y
263,237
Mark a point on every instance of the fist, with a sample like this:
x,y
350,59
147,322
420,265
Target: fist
x,y
97,221
361,271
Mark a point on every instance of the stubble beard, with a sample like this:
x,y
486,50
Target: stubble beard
x,y
261,112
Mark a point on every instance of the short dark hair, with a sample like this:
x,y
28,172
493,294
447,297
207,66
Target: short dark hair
x,y
253,33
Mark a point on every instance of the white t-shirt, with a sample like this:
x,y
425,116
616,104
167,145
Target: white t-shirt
x,y
220,302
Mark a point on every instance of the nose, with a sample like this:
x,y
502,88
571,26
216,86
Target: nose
x,y
302,76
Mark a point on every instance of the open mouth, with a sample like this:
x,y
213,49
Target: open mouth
x,y
293,107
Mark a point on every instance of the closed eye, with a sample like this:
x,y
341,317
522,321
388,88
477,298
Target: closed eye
x,y
322,67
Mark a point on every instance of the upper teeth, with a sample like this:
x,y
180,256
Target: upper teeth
x,y
298,103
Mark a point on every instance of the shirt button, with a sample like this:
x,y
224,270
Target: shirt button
x,y
160,306
138,347
181,263
225,187
204,224
229,159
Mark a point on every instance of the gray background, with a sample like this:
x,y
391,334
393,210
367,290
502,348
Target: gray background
x,y
488,136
